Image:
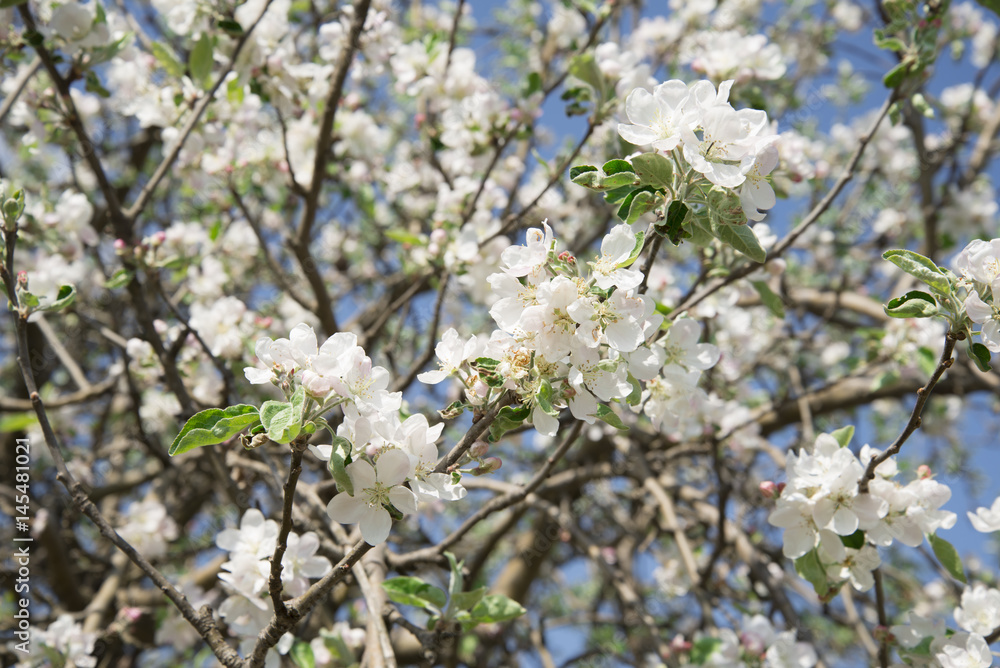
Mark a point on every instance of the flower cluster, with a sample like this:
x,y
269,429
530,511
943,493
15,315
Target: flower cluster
x,y
757,644
149,528
979,264
926,641
387,462
247,610
697,126
824,514
576,335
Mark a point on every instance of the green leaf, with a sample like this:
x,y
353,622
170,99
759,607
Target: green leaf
x,y
947,555
741,238
340,457
496,608
919,267
896,74
980,354
885,379
810,568
926,360
405,237
843,435
11,422
167,59
508,418
4,4
456,581
580,169
466,600
584,67
120,279
703,648
653,169
602,182
302,655
914,304
283,421
635,396
617,166
93,85
673,224
605,414
66,296
643,201
232,27
855,541
640,239
544,398
534,84
212,426
407,590
234,91
201,60
770,299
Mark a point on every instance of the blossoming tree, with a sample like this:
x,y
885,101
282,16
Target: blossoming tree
x,y
383,334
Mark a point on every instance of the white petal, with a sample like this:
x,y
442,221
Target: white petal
x,y
404,500
345,508
375,525
393,467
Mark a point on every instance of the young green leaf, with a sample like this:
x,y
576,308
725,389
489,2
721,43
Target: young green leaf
x,y
302,655
947,555
810,568
466,600
673,224
212,426
496,608
201,60
770,299
843,435
741,238
914,304
167,59
980,354
919,267
407,590
605,414
653,169
580,169
340,457
508,418
120,279
640,239
643,201
66,296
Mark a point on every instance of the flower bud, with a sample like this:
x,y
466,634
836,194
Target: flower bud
x,y
479,449
489,465
769,489
924,472
678,644
120,246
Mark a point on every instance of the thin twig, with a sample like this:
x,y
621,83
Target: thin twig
x,y
923,394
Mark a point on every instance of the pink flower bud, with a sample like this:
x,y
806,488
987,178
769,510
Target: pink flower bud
x,y
119,245
678,644
22,279
479,449
924,472
489,465
769,489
